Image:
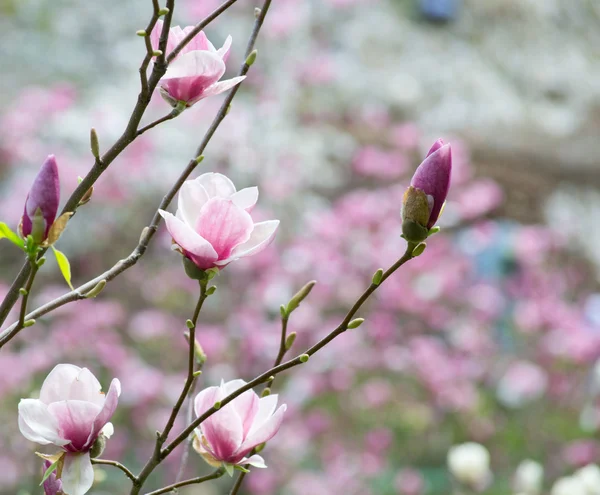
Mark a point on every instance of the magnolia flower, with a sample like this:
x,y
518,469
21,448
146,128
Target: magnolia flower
x,y
42,202
213,226
529,477
569,485
423,200
469,463
71,413
589,476
230,434
195,72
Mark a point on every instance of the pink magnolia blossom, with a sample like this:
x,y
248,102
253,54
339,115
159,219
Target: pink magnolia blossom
x,y
229,435
71,413
42,202
195,72
213,226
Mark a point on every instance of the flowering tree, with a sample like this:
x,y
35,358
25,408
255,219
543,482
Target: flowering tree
x,y
433,364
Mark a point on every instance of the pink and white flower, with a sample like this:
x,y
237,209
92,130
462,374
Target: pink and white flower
x,y
195,72
71,413
213,226
230,434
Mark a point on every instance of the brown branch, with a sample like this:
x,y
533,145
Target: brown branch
x,y
194,481
116,464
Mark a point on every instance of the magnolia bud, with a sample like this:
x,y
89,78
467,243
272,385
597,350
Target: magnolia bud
x,y
41,205
423,200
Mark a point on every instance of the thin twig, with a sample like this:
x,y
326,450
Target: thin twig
x,y
194,481
189,416
238,483
266,376
116,464
27,288
170,116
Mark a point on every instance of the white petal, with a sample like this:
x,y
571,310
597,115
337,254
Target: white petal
x,y
108,430
198,62
232,386
216,185
87,388
223,52
246,198
191,198
266,408
77,474
260,238
56,386
254,460
37,423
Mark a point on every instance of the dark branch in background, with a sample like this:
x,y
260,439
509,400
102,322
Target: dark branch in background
x,y
101,164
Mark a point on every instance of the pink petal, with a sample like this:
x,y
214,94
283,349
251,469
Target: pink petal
x,y
223,432
108,409
262,235
264,433
200,42
206,399
266,408
199,249
77,474
224,225
246,407
87,388
231,386
57,384
155,37
223,52
75,421
216,185
198,64
221,86
44,194
246,198
192,197
38,424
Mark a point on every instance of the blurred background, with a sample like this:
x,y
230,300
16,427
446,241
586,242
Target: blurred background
x,y
491,336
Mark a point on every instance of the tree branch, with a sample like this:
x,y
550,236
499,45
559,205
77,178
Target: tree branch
x,y
302,358
194,481
116,464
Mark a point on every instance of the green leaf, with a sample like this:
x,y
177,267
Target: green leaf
x,y
50,470
7,233
228,469
63,265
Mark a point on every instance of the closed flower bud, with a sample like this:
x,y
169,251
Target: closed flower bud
x,y
423,200
42,202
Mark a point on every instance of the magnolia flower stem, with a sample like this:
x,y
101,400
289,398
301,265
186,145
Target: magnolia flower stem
x,y
193,481
170,116
301,359
34,270
282,349
116,464
161,439
148,232
278,360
